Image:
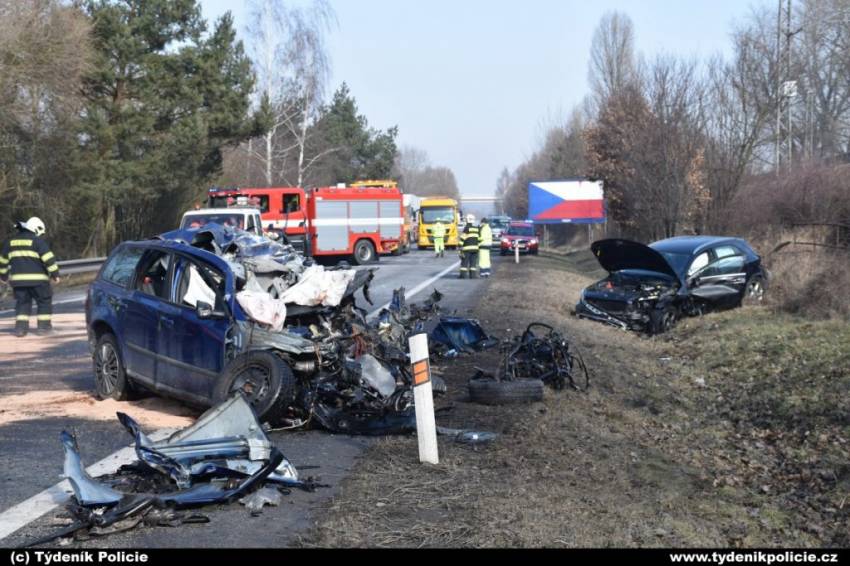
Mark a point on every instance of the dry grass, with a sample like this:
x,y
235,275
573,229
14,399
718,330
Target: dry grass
x,y
810,282
666,449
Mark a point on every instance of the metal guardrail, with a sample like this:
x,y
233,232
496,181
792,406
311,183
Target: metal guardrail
x,y
72,266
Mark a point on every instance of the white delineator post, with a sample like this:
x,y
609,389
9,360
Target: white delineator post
x,y
516,252
423,399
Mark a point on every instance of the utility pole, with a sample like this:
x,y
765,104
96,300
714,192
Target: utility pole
x,y
778,83
789,134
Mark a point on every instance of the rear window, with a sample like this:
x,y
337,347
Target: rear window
x,y
225,219
257,201
119,269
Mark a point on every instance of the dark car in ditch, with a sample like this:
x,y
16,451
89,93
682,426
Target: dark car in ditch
x,y
163,315
649,287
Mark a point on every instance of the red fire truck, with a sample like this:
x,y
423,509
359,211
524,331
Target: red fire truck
x,y
357,221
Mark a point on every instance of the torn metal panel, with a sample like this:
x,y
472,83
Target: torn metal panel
x,y
226,436
87,490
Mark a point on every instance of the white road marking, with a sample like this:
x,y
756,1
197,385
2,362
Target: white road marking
x,y
24,513
411,293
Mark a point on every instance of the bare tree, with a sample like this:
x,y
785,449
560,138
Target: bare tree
x,y
408,167
308,65
292,66
823,113
612,56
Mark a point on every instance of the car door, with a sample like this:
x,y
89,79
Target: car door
x,y
193,347
721,282
142,314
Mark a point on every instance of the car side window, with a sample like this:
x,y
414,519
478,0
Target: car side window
x,y
728,260
730,264
726,251
198,282
153,278
699,262
119,269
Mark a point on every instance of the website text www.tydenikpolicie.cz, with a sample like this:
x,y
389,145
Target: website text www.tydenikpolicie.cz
x,y
755,557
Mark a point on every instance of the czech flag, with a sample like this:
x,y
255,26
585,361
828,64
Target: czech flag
x,y
577,201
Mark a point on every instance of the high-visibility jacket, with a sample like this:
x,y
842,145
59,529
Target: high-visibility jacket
x,y
26,260
486,236
439,230
469,239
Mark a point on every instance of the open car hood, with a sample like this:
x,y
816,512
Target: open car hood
x,y
615,254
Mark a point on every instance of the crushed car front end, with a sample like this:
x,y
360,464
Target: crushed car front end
x,y
627,299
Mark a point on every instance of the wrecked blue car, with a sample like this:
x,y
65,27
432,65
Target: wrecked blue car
x,y
201,314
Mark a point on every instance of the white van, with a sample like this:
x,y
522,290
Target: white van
x,y
247,219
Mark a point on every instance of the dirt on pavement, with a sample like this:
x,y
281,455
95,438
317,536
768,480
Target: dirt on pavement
x,y
729,431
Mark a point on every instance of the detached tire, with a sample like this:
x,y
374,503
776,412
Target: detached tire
x,y
110,375
264,379
364,252
492,392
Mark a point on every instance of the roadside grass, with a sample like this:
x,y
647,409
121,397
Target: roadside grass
x,y
732,430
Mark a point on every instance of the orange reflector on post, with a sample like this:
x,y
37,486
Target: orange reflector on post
x,y
421,372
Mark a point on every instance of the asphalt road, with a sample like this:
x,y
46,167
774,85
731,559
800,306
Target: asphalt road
x,y
46,386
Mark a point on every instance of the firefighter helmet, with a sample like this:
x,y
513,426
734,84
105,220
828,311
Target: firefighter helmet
x,y
470,219
35,225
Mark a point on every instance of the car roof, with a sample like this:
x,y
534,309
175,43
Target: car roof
x,y
692,244
234,210
182,247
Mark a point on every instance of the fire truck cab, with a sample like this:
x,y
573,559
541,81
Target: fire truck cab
x,y
360,221
282,209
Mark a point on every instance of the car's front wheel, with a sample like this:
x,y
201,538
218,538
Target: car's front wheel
x,y
662,320
110,376
264,379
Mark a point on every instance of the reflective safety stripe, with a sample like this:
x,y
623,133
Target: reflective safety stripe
x,y
23,253
4,270
44,317
47,257
27,243
23,317
3,261
28,277
53,268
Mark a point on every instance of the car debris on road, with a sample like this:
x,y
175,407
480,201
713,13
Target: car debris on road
x,y
529,361
454,335
223,457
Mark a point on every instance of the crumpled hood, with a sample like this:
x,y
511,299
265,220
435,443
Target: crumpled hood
x,y
615,254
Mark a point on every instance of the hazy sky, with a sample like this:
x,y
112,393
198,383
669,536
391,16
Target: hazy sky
x,y
471,81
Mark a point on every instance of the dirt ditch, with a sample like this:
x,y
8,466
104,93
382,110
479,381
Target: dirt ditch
x,y
684,440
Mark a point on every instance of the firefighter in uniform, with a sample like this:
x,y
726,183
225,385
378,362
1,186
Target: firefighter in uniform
x,y
28,264
469,244
439,234
486,235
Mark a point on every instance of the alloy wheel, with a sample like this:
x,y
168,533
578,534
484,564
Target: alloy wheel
x,y
108,369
